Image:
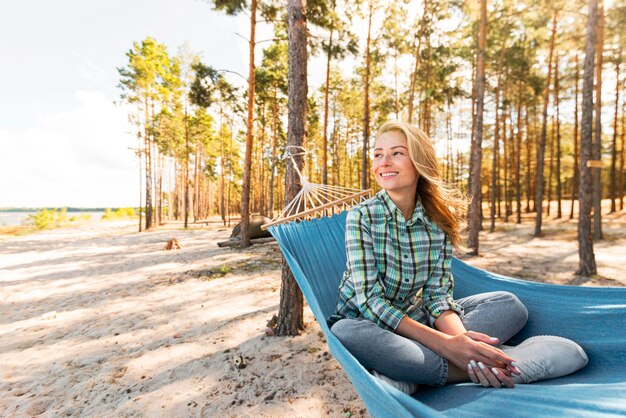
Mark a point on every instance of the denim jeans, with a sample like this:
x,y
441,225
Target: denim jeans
x,y
497,314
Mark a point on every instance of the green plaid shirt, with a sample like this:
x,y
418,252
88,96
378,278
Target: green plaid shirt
x,y
394,267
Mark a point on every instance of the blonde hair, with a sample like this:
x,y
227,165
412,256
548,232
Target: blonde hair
x,y
443,203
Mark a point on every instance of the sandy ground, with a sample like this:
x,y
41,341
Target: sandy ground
x,y
98,320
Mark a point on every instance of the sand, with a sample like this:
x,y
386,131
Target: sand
x,y
98,320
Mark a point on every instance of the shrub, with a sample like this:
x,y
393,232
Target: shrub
x,y
120,213
47,218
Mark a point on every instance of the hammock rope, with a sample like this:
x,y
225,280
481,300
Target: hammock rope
x,y
316,200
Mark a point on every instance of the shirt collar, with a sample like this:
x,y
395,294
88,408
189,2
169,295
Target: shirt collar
x,y
392,212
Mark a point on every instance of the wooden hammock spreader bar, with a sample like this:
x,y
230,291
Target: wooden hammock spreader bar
x,y
317,209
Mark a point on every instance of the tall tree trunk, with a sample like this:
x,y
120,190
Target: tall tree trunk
x,y
596,150
290,315
396,100
326,90
222,171
613,185
426,101
262,170
230,171
140,153
476,157
472,141
160,187
621,157
186,207
196,182
496,146
559,195
542,145
245,188
274,146
551,167
575,177
148,145
366,110
413,85
518,156
505,163
587,263
528,161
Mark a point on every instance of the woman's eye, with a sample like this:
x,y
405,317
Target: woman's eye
x,y
398,153
378,155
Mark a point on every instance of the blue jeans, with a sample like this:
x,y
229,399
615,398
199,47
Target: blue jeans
x,y
497,314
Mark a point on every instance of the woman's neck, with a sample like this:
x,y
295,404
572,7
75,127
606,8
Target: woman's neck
x,y
405,201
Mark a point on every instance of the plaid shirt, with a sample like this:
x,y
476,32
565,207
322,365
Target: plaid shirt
x,y
395,267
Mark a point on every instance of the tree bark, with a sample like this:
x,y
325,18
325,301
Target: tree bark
x,y
518,156
245,188
147,144
613,180
366,110
587,262
186,207
326,90
413,84
528,161
496,146
290,315
274,146
542,145
596,149
621,158
476,157
575,177
557,103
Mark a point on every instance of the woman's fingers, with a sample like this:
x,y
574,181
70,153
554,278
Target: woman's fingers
x,y
482,379
478,336
471,373
493,357
489,375
503,377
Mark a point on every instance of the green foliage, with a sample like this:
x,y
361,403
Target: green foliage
x,y
47,219
120,213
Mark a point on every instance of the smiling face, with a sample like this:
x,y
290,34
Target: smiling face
x,y
393,169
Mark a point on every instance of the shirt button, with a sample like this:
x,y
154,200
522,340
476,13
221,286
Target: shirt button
x,y
400,299
406,280
405,255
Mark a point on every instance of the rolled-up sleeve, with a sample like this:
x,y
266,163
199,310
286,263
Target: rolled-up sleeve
x,y
438,289
361,264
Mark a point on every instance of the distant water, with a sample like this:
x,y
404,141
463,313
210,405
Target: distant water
x,y
17,218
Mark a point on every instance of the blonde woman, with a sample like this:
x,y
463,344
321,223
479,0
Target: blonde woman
x,y
396,311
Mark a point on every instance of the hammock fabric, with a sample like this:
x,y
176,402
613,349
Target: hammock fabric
x,y
594,317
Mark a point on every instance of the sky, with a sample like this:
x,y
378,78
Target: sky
x,y
63,140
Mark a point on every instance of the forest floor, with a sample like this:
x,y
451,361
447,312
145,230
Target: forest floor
x,y
99,320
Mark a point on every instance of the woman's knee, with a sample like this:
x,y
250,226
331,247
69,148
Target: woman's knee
x,y
350,331
517,310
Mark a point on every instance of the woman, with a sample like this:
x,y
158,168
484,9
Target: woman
x,y
396,313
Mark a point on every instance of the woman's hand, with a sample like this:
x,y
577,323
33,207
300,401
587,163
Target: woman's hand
x,y
496,377
475,349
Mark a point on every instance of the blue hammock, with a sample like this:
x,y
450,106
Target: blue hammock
x,y
594,317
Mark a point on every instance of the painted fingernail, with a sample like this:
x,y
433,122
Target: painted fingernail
x,y
514,364
473,363
495,371
469,366
481,365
